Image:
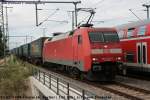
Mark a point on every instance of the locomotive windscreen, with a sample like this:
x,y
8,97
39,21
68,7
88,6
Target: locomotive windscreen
x,y
111,37
96,37
103,37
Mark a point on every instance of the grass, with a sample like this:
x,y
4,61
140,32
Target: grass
x,y
13,77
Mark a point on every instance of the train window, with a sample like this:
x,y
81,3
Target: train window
x,y
79,39
111,37
96,37
142,30
121,34
130,32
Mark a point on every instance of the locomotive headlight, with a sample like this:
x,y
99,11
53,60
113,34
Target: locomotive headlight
x,y
105,46
95,59
118,58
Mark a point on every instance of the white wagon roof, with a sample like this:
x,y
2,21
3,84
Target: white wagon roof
x,y
132,25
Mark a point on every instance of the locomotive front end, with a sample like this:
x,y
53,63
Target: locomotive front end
x,y
106,53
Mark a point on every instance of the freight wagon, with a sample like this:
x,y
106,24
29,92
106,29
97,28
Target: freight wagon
x,y
35,50
26,53
31,51
20,52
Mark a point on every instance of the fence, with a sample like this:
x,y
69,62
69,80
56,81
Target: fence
x,y
65,90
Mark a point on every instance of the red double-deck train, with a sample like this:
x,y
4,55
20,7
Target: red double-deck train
x,y
93,52
135,41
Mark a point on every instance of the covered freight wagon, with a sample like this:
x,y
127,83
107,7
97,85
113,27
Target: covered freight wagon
x,y
26,53
16,51
20,51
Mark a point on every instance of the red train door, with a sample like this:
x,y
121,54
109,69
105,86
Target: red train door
x,y
77,49
141,53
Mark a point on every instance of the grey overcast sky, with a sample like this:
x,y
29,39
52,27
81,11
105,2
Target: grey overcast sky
x,y
108,12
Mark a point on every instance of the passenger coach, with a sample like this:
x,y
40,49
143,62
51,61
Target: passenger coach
x,y
135,41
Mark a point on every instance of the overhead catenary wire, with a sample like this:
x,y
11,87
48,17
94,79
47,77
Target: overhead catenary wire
x,y
47,19
97,7
135,15
49,16
59,21
98,4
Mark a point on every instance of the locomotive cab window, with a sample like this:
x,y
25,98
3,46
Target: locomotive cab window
x,y
79,39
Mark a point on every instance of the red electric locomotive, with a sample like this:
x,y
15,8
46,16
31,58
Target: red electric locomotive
x,y
92,52
135,41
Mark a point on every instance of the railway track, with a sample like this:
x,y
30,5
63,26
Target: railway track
x,y
141,76
126,91
117,88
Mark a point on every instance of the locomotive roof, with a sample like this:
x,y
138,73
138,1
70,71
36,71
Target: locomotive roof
x,y
60,36
65,35
102,29
132,25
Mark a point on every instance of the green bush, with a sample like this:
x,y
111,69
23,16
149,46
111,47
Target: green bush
x,y
13,78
